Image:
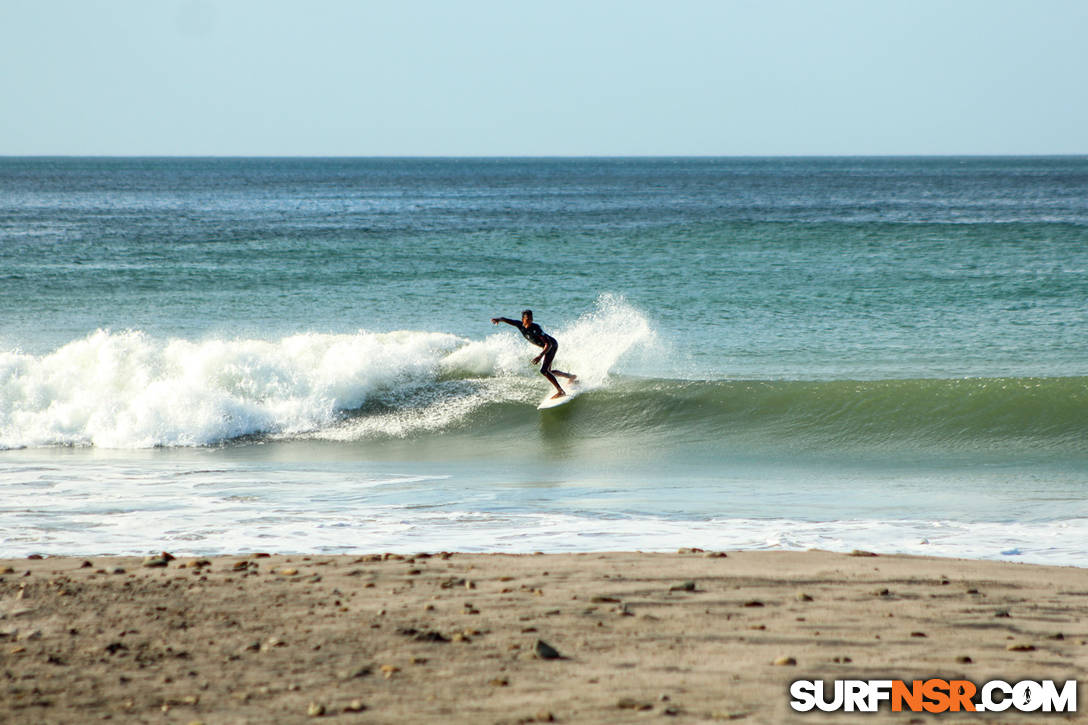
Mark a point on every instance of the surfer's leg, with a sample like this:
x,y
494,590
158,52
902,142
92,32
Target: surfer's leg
x,y
546,371
560,373
551,379
549,355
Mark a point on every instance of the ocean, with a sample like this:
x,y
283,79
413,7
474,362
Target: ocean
x,y
295,355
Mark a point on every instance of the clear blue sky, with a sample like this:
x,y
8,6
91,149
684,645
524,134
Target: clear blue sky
x,y
505,77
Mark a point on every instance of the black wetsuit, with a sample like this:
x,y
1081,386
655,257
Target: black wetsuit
x,y
534,334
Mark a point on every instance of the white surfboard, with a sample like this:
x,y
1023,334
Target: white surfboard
x,y
549,402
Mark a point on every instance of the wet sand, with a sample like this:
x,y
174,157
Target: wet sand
x,y
687,637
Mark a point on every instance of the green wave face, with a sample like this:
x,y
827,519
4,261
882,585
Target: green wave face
x,y
1045,418
968,413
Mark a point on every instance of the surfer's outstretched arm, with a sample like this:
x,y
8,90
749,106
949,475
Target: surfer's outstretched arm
x,y
527,331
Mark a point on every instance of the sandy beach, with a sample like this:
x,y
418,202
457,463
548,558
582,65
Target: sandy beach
x,y
691,636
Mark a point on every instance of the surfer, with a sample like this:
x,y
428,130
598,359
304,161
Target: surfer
x,y
534,334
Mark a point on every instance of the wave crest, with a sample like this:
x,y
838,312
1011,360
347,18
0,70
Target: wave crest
x,y
129,390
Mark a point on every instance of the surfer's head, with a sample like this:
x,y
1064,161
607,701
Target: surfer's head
x,y
526,316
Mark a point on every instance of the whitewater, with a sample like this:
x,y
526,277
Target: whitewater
x,y
129,390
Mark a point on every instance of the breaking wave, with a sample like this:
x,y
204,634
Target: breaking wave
x,y
129,390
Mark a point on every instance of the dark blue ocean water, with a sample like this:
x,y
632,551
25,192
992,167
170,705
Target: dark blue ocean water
x,y
296,353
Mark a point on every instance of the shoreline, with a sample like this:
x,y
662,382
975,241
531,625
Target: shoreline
x,y
390,638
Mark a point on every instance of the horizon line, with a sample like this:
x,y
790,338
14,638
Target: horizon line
x,y
544,156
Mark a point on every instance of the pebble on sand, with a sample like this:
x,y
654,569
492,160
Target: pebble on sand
x,y
785,662
352,672
161,559
545,651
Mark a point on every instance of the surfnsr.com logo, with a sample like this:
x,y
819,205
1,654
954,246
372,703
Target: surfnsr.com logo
x,y
933,695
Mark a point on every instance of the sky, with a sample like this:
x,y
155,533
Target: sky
x,y
561,78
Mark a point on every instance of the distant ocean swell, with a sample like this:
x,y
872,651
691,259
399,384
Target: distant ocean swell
x,y
127,390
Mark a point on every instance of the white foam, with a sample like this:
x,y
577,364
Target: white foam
x,y
228,511
591,347
93,502
438,409
129,390
595,343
